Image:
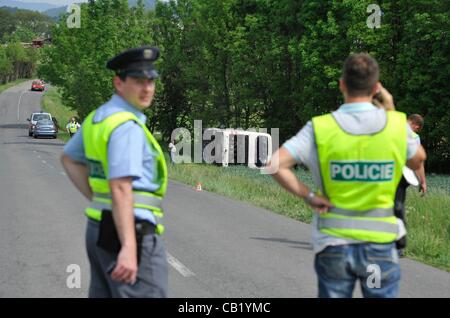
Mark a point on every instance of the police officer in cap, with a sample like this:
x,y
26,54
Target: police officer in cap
x,y
119,167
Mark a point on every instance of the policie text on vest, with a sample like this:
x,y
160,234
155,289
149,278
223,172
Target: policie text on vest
x,y
365,171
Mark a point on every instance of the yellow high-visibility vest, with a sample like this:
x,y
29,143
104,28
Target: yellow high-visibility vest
x,y
95,138
360,174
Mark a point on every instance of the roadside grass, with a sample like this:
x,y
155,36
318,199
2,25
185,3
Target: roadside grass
x,y
52,103
428,218
242,184
63,136
428,226
13,83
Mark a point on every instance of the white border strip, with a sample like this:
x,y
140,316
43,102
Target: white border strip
x,y
179,267
18,105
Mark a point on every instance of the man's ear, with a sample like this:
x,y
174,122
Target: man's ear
x,y
342,86
117,82
376,88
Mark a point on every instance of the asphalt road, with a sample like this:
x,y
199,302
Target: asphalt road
x,y
217,247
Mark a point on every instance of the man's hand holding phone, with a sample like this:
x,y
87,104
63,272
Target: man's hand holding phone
x,y
383,99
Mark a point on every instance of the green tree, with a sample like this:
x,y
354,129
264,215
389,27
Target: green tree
x,y
18,57
5,66
423,75
23,25
77,58
253,63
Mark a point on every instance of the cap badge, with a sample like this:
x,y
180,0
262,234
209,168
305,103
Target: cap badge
x,y
148,54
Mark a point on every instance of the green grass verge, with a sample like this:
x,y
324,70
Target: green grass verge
x,y
428,218
428,223
13,83
52,103
243,184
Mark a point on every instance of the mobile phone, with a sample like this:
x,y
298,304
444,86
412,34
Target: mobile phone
x,y
378,97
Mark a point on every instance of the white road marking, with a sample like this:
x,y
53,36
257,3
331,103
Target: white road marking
x,y
63,173
18,105
179,267
46,163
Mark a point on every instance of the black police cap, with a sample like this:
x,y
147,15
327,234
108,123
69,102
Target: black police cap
x,y
136,62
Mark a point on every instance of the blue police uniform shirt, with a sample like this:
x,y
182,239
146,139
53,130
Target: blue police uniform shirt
x,y
129,153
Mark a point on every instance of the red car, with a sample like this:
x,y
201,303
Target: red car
x,y
37,86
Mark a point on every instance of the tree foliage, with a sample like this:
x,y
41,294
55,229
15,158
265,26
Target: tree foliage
x,y
262,63
22,25
77,58
17,60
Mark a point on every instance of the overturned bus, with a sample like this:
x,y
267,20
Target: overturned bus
x,y
236,147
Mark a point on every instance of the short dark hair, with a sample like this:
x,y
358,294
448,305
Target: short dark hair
x,y
416,119
360,74
122,76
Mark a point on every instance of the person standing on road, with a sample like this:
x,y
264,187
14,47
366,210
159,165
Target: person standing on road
x,y
173,151
356,155
117,164
72,127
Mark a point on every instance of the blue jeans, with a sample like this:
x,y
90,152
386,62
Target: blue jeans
x,y
374,265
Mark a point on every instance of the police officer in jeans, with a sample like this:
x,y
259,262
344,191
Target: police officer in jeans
x,y
356,155
119,167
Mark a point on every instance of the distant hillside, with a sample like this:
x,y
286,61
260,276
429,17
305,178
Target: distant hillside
x,y
35,6
55,12
23,25
9,9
